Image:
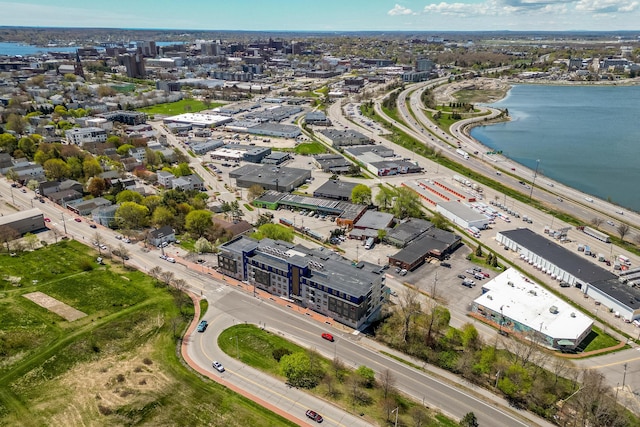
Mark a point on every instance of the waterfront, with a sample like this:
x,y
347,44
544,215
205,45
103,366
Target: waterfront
x,y
21,49
585,137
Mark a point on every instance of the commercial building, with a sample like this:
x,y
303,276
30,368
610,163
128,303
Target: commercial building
x,y
317,118
276,158
130,118
198,120
341,138
518,305
201,148
24,222
462,216
316,279
275,129
335,189
79,136
270,178
134,65
234,152
564,265
346,213
434,243
334,163
407,231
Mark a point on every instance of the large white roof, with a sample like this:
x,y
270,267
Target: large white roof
x,y
530,304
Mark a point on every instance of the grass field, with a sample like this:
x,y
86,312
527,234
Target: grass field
x,y
118,365
310,148
255,347
178,107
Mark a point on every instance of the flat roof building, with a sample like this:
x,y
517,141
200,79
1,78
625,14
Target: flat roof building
x,y
24,222
198,119
518,305
270,178
341,138
317,279
462,216
335,189
564,265
435,243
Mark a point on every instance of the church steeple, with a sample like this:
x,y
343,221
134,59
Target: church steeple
x,y
78,71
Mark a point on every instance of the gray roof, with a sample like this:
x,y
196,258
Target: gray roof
x,y
270,196
569,261
240,245
374,219
409,230
336,189
161,232
462,211
435,240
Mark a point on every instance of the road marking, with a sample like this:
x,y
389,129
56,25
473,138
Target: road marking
x,y
621,362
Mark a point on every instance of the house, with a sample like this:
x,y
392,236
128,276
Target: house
x,y
162,235
80,136
165,178
139,153
190,182
85,207
104,215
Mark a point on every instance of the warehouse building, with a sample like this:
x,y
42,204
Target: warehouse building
x,y
198,120
435,243
24,222
462,216
518,305
407,231
341,138
316,279
566,266
270,178
335,189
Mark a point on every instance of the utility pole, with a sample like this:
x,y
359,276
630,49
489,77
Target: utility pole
x,y
624,376
534,178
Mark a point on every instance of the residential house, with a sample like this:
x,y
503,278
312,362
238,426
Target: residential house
x,y
162,235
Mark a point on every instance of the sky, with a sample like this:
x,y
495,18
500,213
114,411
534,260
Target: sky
x,y
328,15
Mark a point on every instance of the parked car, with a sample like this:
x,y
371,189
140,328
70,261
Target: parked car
x,y
77,220
327,336
202,326
486,275
172,260
126,240
47,220
470,271
564,285
445,264
462,276
314,416
218,366
93,226
403,272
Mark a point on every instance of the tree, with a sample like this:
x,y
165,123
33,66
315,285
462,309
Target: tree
x,y
56,169
361,195
439,221
385,196
407,204
122,252
27,146
479,250
299,370
91,167
182,169
255,191
387,383
162,216
623,230
132,215
129,196
202,245
264,218
367,376
8,142
596,222
166,277
31,241
198,221
96,186
275,232
99,241
469,420
123,150
17,123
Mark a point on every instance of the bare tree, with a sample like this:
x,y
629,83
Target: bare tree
x,y
329,381
388,405
408,305
155,272
419,416
338,368
623,229
596,222
98,240
180,284
123,252
166,277
387,383
636,238
8,234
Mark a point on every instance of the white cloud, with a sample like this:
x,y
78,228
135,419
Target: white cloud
x,y
606,6
400,10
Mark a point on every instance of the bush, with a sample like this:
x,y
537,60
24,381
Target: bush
x,y
279,352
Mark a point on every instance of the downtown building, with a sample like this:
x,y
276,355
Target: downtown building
x,y
317,279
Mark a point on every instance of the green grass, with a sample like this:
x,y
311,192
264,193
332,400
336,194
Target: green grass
x,y
57,372
597,340
310,148
178,107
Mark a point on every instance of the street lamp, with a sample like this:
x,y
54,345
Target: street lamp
x,y
237,349
534,178
396,411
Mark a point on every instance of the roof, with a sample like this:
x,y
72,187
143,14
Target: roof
x,y
270,196
566,260
462,211
19,216
434,241
336,189
374,219
528,303
161,232
240,245
234,227
409,230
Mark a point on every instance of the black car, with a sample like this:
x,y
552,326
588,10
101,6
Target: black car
x,y
462,276
445,264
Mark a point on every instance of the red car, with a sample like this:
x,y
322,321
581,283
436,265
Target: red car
x,y
47,220
486,275
314,416
327,336
77,220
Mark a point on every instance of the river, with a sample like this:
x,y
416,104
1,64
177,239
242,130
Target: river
x,y
586,137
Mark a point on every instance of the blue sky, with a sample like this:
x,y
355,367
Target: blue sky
x,y
328,15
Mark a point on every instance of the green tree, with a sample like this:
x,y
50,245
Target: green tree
x,y
123,150
198,221
91,167
131,215
162,216
129,196
152,202
182,169
384,198
469,420
479,250
114,140
361,195
60,110
439,221
75,167
367,375
299,370
8,143
275,232
70,77
255,191
27,146
56,169
407,204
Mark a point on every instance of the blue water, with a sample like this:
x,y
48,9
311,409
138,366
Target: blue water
x,y
587,137
12,49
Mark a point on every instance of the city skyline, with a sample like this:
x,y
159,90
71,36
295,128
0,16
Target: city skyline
x,y
330,15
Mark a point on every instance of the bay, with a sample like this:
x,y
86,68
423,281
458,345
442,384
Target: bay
x,y
13,49
586,137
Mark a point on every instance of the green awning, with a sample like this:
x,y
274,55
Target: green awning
x,y
565,342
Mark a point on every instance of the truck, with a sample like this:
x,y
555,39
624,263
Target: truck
x,y
587,250
369,243
462,180
463,153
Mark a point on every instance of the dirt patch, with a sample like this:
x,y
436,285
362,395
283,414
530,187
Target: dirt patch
x,y
58,307
484,86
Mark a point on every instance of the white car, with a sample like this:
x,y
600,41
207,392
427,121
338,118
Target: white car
x,y
611,223
126,240
218,366
172,260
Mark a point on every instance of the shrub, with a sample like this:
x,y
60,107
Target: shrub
x,y
279,352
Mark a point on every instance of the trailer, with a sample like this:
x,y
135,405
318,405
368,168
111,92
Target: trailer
x,y
463,153
596,234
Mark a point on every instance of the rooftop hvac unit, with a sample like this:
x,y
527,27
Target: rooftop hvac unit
x,y
510,284
553,309
573,314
